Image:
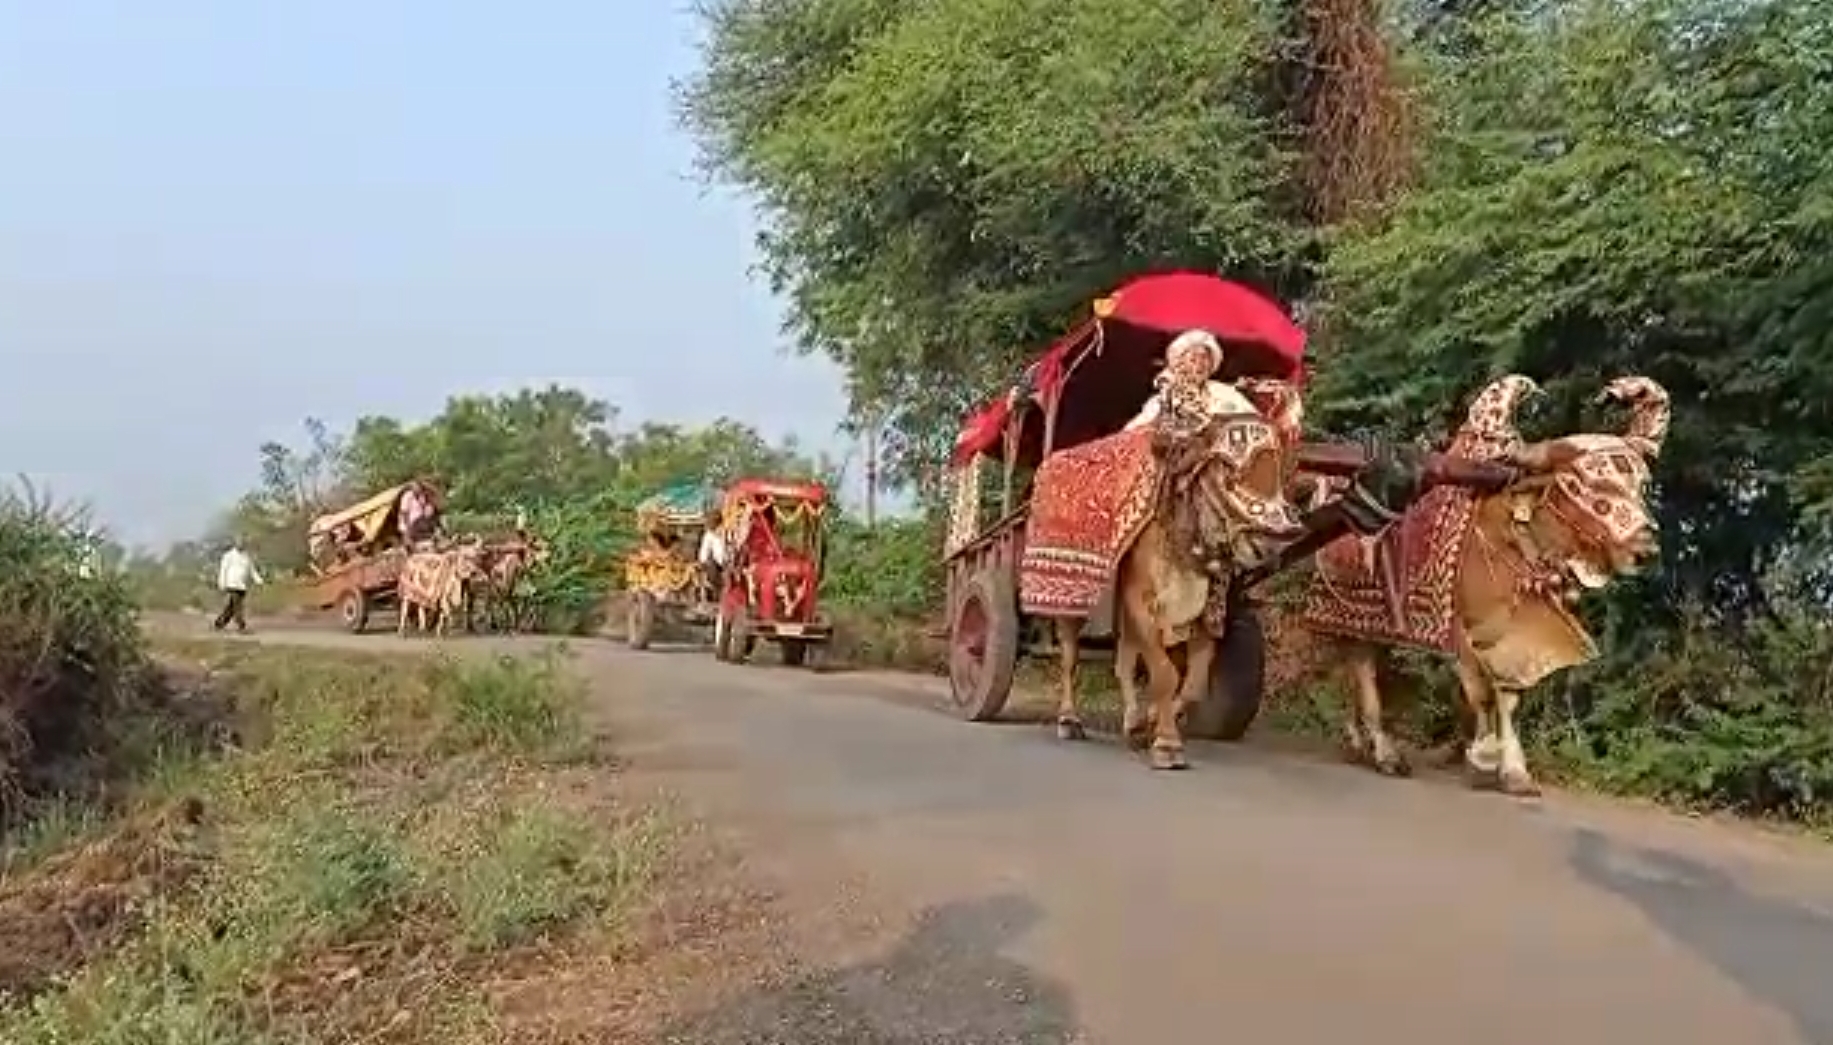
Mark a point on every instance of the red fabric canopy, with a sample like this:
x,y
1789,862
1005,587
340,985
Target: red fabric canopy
x,y
1159,307
1173,302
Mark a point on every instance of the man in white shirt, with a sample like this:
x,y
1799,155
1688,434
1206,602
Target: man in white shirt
x,y
713,551
713,554
234,575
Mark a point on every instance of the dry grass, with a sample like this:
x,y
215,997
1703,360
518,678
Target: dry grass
x,y
390,839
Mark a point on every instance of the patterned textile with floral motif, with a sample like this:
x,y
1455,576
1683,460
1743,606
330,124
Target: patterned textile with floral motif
x,y
1347,595
1088,504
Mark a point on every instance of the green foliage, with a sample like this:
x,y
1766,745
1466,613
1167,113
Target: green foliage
x,y
893,569
509,703
946,183
540,871
71,656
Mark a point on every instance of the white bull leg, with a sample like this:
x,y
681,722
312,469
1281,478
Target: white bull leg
x,y
1484,752
1381,750
1199,658
1135,727
1515,778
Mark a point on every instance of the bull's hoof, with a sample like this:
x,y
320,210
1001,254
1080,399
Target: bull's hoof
x,y
1138,736
1395,765
1168,758
1518,784
1482,779
1353,750
1071,729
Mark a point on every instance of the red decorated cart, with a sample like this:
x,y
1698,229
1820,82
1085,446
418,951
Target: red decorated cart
x,y
1088,385
775,533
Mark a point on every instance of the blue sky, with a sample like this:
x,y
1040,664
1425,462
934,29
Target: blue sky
x,y
218,217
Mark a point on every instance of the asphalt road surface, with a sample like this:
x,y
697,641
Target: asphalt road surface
x,y
1044,892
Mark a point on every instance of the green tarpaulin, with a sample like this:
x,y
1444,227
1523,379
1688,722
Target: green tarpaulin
x,y
680,504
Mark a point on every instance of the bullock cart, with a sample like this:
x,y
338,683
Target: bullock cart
x,y
357,553
663,575
1000,602
776,535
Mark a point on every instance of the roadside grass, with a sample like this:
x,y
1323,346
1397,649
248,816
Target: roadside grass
x,y
373,844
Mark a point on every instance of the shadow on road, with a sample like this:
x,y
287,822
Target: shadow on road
x,y
1779,952
944,984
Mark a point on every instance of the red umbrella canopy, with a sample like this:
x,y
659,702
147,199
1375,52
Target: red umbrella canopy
x,y
1173,302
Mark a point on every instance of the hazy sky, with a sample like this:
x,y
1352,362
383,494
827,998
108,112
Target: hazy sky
x,y
220,216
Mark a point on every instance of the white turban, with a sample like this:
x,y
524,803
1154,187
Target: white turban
x,y
1192,341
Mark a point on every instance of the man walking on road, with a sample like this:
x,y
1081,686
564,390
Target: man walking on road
x,y
233,576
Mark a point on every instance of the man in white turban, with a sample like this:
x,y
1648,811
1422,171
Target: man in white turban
x,y
1190,363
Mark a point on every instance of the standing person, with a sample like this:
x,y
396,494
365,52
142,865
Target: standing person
x,y
233,576
714,553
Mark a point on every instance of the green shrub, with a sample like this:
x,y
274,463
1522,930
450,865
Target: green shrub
x,y
509,704
71,655
534,869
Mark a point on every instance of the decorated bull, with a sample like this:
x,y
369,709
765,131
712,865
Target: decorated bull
x,y
1194,486
1490,579
434,584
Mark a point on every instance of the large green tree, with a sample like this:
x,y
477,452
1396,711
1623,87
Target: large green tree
x,y
946,183
1640,189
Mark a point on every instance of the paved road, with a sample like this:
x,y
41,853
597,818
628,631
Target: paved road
x,y
1066,893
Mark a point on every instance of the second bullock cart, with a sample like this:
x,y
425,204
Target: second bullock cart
x,y
1089,385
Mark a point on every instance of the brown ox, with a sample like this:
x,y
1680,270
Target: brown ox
x,y
503,567
434,583
1489,579
1218,505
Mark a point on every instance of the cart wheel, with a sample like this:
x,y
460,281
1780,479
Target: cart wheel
x,y
740,642
640,623
1237,681
795,652
722,636
353,610
983,645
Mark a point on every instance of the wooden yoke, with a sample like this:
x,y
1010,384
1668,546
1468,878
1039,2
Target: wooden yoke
x,y
1388,479
1344,460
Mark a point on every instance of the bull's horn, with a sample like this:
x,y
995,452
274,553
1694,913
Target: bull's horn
x,y
1492,413
1649,411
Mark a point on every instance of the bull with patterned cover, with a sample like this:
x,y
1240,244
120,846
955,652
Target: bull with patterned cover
x,y
1164,513
433,586
1489,579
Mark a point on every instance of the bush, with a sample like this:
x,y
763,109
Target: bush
x,y
894,569
71,654
510,704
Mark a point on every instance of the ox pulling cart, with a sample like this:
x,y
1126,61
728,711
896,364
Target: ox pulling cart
x,y
1042,578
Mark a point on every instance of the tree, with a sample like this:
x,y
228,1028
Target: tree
x,y
1623,190
947,183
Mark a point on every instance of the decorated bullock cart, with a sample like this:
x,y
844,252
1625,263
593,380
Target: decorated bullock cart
x,y
1042,578
776,536
357,553
663,575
